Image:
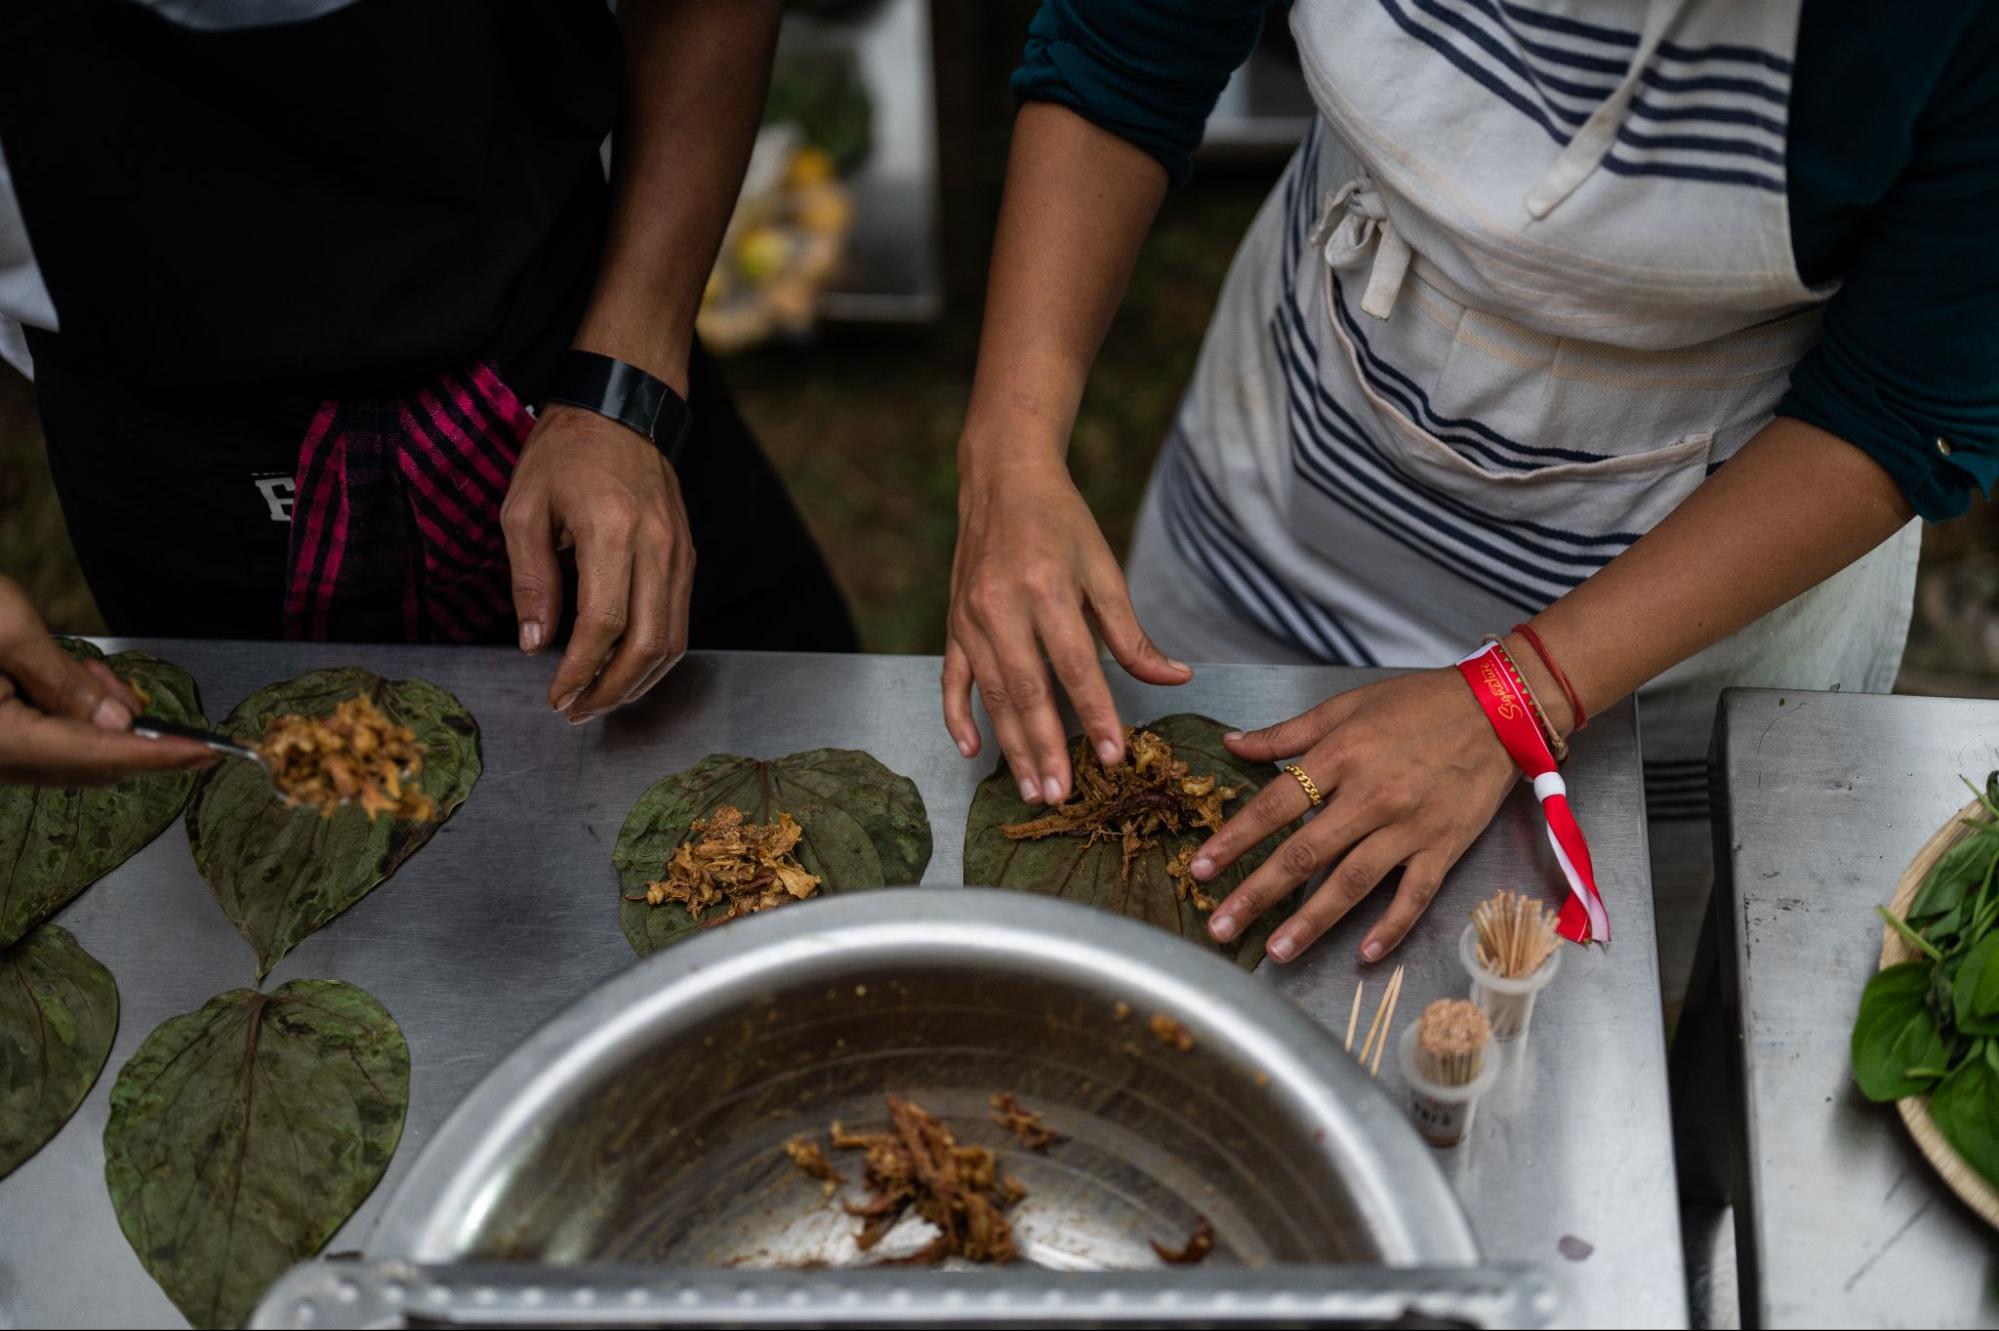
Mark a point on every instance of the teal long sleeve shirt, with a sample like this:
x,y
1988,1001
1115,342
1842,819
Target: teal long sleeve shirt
x,y
1891,169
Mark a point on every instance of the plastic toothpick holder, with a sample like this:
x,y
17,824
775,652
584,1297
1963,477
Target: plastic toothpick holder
x,y
1441,1113
1508,1003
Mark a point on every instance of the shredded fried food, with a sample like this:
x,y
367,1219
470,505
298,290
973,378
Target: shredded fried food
x,y
812,1163
1171,1033
352,755
919,1165
1198,1245
742,866
1025,1124
1149,795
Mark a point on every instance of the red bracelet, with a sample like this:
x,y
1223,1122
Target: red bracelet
x,y
1583,918
1561,680
1556,744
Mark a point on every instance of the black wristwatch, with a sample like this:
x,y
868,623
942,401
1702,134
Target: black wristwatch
x,y
625,393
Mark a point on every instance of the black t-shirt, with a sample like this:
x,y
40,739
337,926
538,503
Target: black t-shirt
x,y
331,206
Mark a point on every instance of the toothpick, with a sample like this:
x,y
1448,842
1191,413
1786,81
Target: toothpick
x,y
1353,1016
1394,993
1377,1035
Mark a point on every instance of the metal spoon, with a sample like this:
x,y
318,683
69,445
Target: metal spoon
x,y
223,744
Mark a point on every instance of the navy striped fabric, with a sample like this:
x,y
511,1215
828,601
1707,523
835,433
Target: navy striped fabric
x,y
1712,113
1676,789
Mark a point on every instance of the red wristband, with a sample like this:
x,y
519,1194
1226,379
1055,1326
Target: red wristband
x,y
1583,918
1533,638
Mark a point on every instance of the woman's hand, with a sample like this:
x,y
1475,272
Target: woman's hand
x,y
587,482
1031,575
65,722
1411,773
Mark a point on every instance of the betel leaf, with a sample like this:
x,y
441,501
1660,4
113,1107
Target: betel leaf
x,y
1959,872
1965,1108
1975,989
864,827
279,873
1895,1032
58,1012
1073,868
243,1135
54,842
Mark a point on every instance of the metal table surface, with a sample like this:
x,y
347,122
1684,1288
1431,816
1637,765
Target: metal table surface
x,y
510,913
1826,799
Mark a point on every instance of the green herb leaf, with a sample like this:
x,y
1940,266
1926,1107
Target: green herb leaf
x,y
278,872
1895,1032
58,1012
1975,989
864,827
56,842
1960,872
243,1135
1965,1108
1075,869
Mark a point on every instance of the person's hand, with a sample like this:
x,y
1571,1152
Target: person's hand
x,y
587,482
1032,573
1411,773
65,722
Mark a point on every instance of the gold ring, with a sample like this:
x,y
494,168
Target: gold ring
x,y
1311,789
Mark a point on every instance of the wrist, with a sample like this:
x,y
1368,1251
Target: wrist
x,y
990,455
1541,681
660,346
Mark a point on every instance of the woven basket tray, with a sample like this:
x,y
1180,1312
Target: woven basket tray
x,y
1966,1182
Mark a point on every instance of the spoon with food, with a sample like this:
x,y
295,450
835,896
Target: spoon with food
x,y
351,755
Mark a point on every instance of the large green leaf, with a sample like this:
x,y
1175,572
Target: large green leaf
x,y
864,826
1965,1109
1975,989
1958,873
1896,1032
56,842
58,1012
243,1135
280,873
1072,868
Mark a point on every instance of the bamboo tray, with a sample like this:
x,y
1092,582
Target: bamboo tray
x,y
1963,1180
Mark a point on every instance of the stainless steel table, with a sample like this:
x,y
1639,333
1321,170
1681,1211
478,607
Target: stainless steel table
x,y
511,912
1826,797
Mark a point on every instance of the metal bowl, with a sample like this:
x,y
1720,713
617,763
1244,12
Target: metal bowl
x,y
645,1125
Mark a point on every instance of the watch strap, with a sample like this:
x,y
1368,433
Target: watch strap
x,y
626,394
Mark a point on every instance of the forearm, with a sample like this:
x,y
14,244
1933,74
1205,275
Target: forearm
x,y
1078,203
1793,507
696,72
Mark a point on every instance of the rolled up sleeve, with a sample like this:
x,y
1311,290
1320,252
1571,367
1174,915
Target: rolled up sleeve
x,y
1148,71
1909,366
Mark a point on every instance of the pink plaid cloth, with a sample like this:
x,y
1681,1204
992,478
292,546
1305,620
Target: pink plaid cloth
x,y
396,517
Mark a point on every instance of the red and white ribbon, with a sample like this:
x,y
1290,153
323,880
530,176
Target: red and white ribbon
x,y
1504,698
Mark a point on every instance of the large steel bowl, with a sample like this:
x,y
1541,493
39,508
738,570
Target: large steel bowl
x,y
645,1124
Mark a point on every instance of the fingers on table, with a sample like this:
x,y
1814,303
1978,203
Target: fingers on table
x,y
654,633
535,572
999,645
1130,645
603,608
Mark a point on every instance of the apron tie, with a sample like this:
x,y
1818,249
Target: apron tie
x,y
1592,143
1352,219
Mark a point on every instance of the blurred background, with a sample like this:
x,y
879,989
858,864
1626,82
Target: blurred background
x,y
847,302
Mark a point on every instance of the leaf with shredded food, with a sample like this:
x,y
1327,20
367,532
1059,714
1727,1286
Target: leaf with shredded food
x,y
243,1135
280,872
56,841
1123,840
861,826
58,1014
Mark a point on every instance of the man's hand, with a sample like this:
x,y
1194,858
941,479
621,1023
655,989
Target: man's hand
x,y
65,722
588,483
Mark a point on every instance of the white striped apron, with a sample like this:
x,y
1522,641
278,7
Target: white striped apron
x,y
1526,284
